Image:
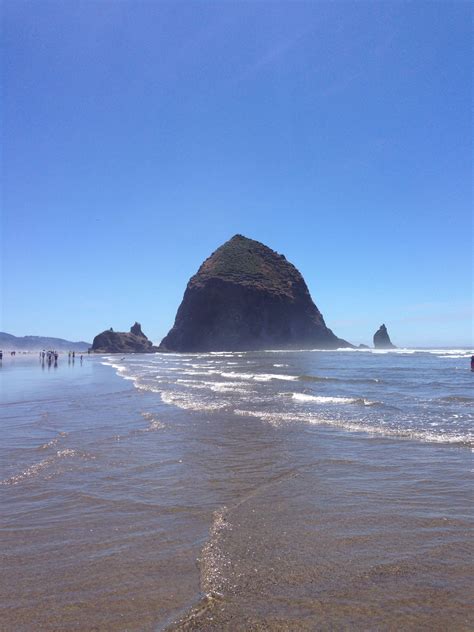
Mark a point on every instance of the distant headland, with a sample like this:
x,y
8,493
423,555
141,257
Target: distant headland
x,y
38,343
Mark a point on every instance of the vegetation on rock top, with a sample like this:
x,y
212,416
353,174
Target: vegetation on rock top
x,y
249,262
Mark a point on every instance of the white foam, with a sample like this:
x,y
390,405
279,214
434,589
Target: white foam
x,y
186,402
192,384
464,353
259,377
401,351
277,419
224,354
217,387
227,387
197,372
265,377
197,365
234,375
117,367
320,399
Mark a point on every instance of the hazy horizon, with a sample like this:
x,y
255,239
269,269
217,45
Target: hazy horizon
x,y
399,347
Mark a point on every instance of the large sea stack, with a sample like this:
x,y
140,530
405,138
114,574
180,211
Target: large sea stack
x,y
134,341
246,296
382,339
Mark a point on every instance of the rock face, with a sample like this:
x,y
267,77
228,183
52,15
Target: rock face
x,y
246,296
135,341
136,330
382,339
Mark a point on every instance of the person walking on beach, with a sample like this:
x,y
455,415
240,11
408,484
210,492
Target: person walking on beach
x,y
472,363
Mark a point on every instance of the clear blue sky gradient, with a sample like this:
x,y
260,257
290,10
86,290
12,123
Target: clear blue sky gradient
x,y
139,136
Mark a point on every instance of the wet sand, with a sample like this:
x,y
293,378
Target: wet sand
x,y
124,513
342,544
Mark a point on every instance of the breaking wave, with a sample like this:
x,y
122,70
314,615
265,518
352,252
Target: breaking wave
x,y
320,399
186,402
361,380
400,399
278,419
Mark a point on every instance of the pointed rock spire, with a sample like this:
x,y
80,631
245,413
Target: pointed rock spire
x,y
136,330
382,339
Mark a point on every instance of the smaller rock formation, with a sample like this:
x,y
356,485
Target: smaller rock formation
x,y
361,346
382,339
135,341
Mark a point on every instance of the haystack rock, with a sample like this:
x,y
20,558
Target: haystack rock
x,y
111,341
382,339
246,296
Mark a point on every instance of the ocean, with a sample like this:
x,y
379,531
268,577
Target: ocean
x,y
274,490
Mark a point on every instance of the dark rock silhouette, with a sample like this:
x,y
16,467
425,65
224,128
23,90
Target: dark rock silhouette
x,y
246,296
135,341
382,339
136,330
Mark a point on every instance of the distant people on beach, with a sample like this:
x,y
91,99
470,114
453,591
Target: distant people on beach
x,y
51,356
1,355
472,363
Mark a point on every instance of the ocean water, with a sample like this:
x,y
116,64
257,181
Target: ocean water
x,y
302,490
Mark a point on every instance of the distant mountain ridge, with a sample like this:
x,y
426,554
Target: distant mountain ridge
x,y
8,342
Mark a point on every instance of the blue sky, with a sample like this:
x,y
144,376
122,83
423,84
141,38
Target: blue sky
x,y
139,136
